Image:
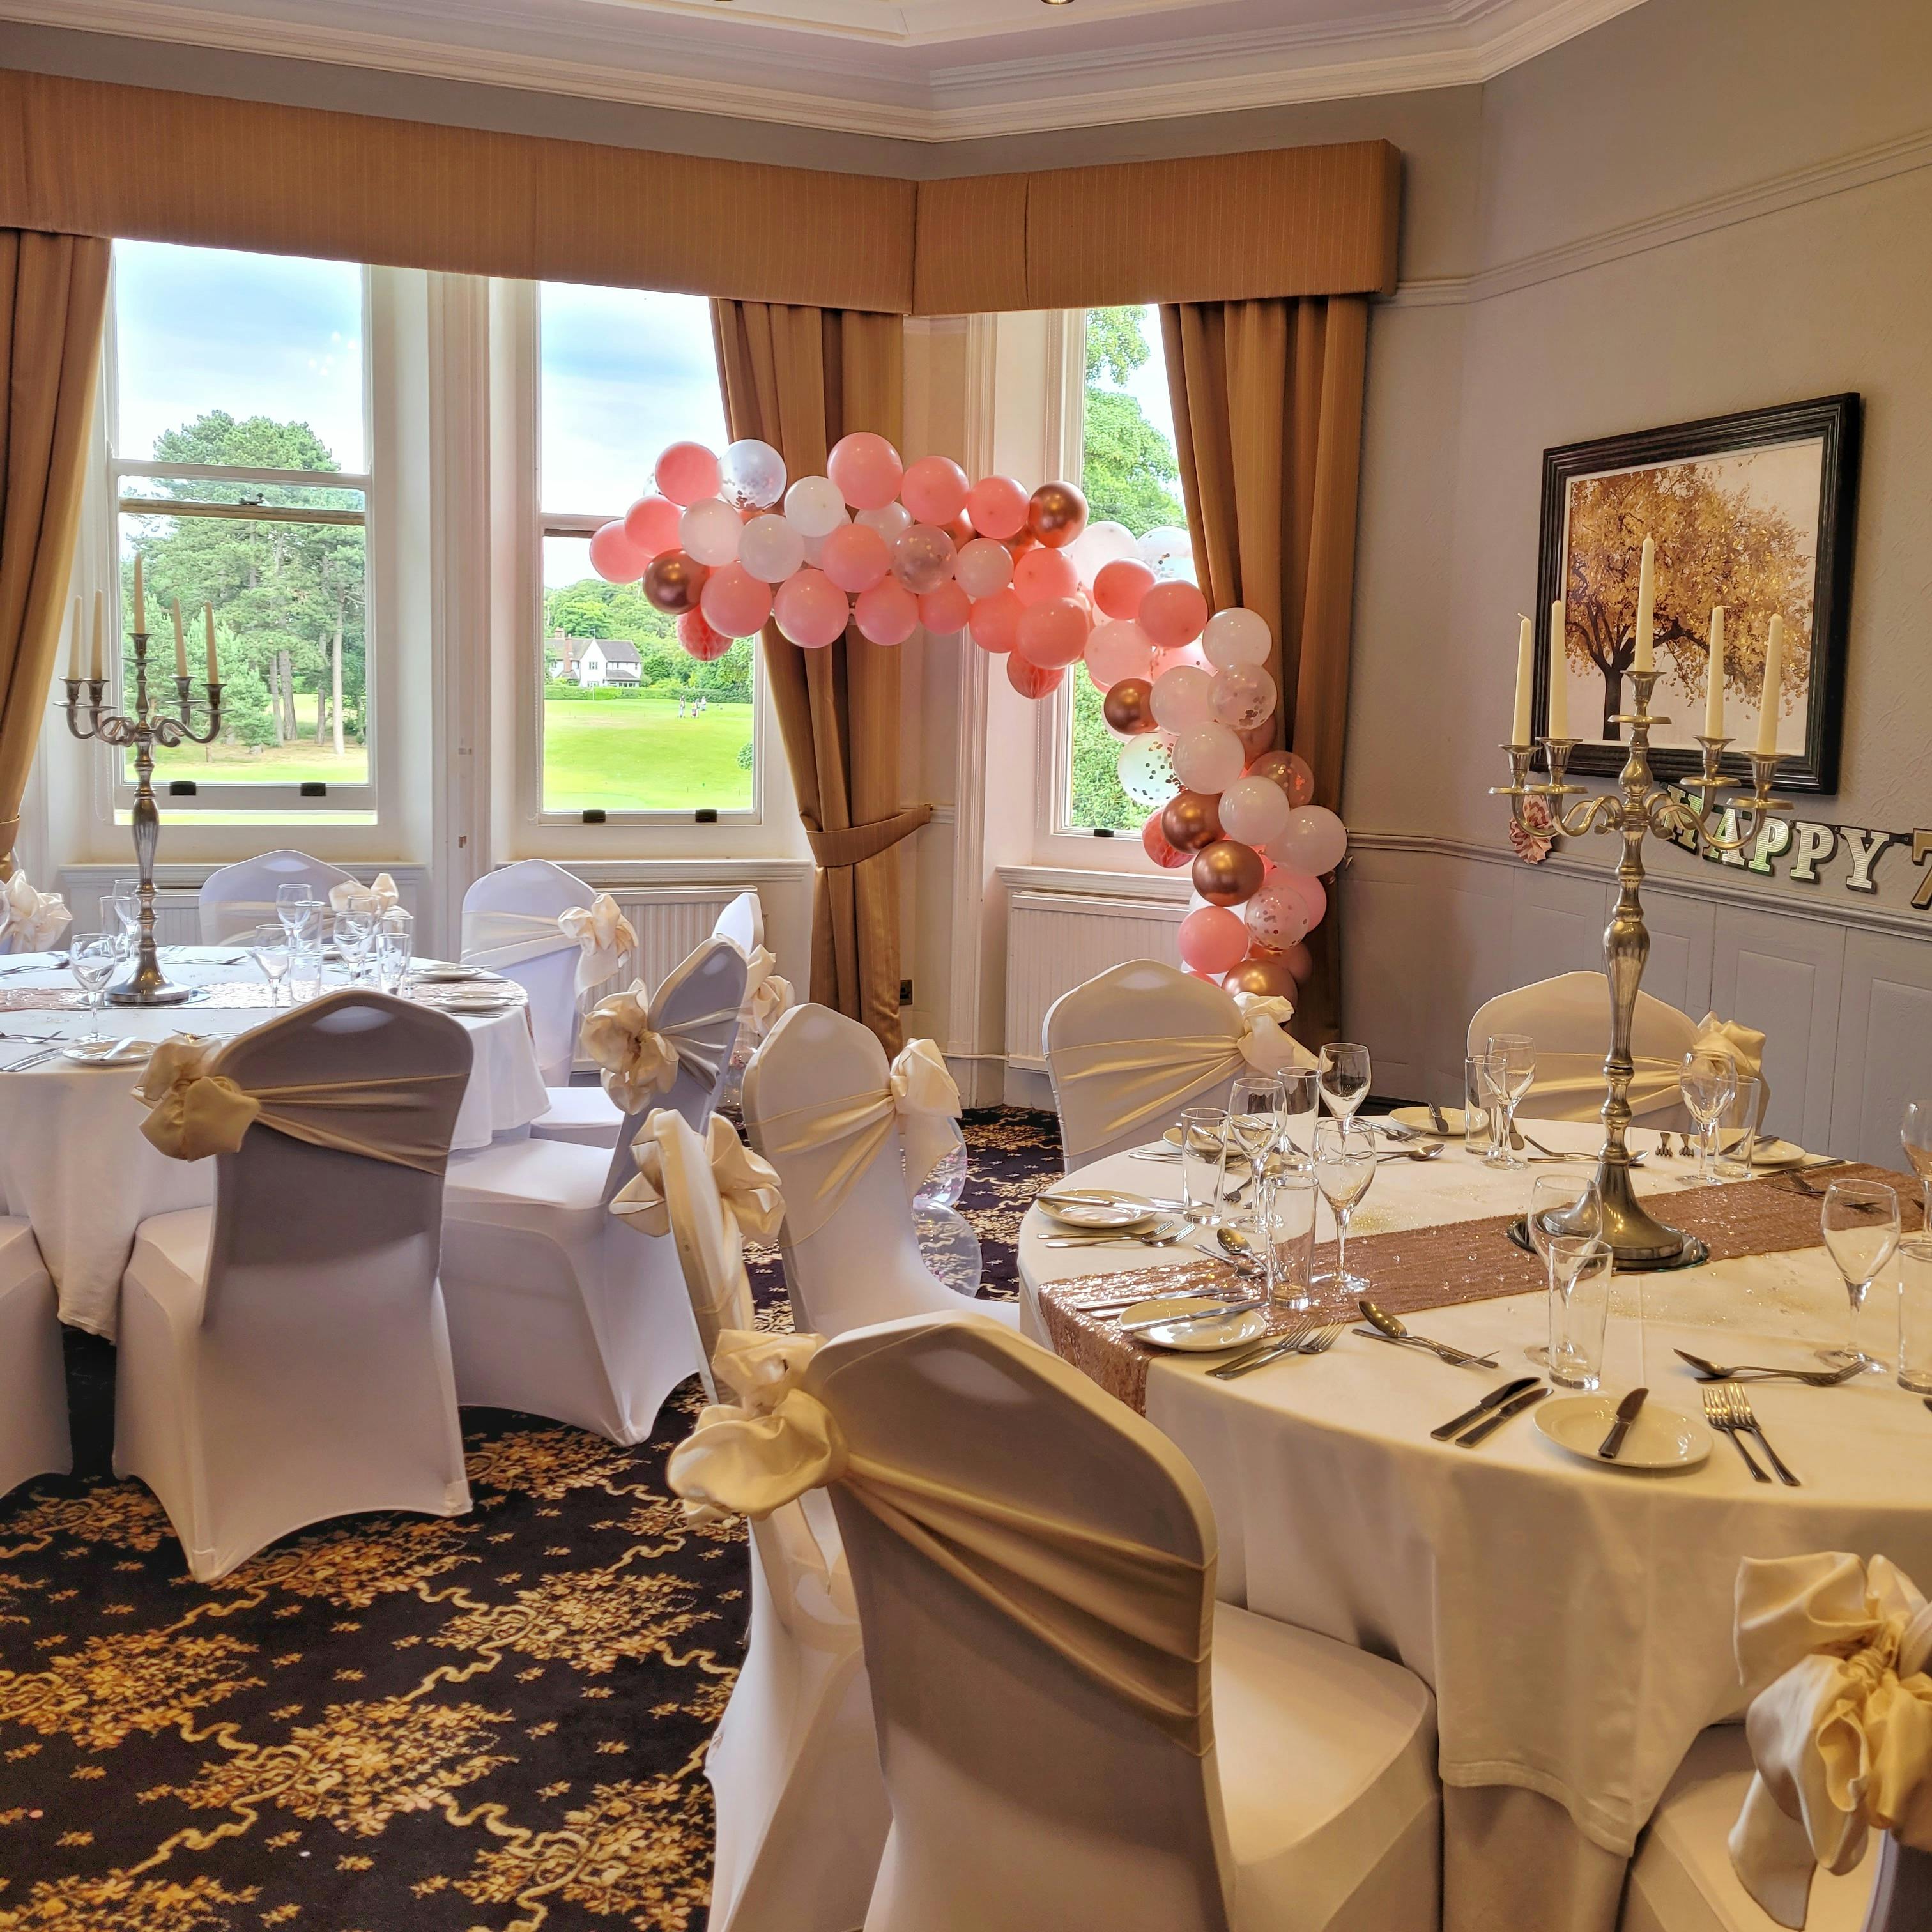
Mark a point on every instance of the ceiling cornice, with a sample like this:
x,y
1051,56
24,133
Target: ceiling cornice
x,y
854,91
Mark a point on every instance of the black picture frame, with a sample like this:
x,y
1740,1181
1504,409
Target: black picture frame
x,y
1837,423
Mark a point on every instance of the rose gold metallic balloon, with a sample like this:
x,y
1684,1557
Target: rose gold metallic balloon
x,y
1190,820
674,582
1289,771
1128,707
1056,515
1226,871
1257,740
1267,975
961,531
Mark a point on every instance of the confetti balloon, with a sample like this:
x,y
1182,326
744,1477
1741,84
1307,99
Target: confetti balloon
x,y
1056,515
1236,637
614,557
855,557
1213,941
771,547
1254,811
1128,707
1242,697
1313,894
710,531
922,558
1033,680
1314,842
983,567
1119,587
1189,819
1173,614
752,474
1166,551
888,614
1182,699
866,470
1288,770
1266,974
699,638
995,621
652,525
687,472
674,583
1207,757
1276,915
1117,651
814,507
1146,772
810,609
1226,872
998,506
933,489
1153,842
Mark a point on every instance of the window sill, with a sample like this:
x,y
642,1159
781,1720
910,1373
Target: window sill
x,y
1155,888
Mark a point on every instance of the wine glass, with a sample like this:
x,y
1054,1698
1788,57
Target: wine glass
x,y
122,914
1915,1136
354,930
1345,1166
1301,1103
1509,1067
269,945
1861,1224
1565,1215
91,959
1344,1078
1708,1084
1254,1125
299,910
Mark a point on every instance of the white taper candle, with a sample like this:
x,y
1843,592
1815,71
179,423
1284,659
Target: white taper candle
x,y
1525,676
1774,686
1714,677
1559,674
74,647
1646,606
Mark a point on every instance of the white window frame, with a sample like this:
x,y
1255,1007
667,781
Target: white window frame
x,y
266,803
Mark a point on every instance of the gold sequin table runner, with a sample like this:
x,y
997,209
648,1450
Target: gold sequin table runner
x,y
1440,1266
457,996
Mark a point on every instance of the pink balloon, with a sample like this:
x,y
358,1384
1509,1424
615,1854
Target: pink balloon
x,y
811,609
1033,680
651,524
945,610
1313,894
998,506
983,567
1043,573
866,470
1188,654
1213,940
699,638
933,489
1053,634
855,557
1153,842
1115,651
887,613
1173,613
1120,587
614,557
1299,962
995,621
687,473
735,601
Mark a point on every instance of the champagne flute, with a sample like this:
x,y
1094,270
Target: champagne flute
x,y
1345,1167
1708,1084
269,944
91,959
1509,1066
1861,1223
1565,1215
1915,1136
1344,1076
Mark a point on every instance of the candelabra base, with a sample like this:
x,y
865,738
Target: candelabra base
x,y
1694,1252
160,993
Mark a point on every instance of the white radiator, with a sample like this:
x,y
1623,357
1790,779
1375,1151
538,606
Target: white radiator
x,y
1055,940
669,923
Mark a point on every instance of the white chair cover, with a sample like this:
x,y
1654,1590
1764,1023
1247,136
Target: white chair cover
x,y
1034,1566
510,926
237,898
822,1104
1127,1050
33,1437
801,1815
742,921
30,922
553,1307
1569,1018
283,1356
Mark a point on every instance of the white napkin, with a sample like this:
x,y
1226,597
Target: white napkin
x,y
1744,1046
379,896
603,936
29,921
768,995
1266,1044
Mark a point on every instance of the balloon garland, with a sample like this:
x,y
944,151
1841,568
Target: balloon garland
x,y
724,546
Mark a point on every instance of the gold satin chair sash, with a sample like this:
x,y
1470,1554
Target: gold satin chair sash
x,y
500,939
748,1189
1570,1087
1149,1078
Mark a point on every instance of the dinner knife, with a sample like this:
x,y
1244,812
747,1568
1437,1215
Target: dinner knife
x,y
1482,1430
1438,1119
1627,1413
1181,1321
1494,1400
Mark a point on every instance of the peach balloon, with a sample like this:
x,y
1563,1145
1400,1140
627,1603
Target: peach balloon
x,y
933,489
855,557
1289,770
614,557
1056,514
998,506
699,638
1042,574
946,610
1153,842
1053,634
1173,613
687,473
1313,893
810,609
1190,820
888,614
983,568
866,469
1226,872
995,621
1186,654
1115,651
1299,961
735,601
1267,974
1127,709
651,523
673,583
1120,587
1213,941
1033,680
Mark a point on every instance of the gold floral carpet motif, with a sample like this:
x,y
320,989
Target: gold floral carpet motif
x,y
494,1722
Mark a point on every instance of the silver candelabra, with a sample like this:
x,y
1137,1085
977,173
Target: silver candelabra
x,y
1638,807
144,726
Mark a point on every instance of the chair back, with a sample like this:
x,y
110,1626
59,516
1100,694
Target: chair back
x,y
742,921
1060,1546
237,898
533,890
710,1245
702,995
1106,1108
1569,1018
1901,1899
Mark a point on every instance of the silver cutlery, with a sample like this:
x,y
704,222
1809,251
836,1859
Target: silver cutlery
x,y
1427,1150
1274,1346
1712,1371
1165,1236
1307,1340
1496,1397
33,1059
1115,1302
1220,1314
1628,1411
1057,1197
1388,1328
1438,1119
1484,1431
1803,1187
1737,1406
1716,1413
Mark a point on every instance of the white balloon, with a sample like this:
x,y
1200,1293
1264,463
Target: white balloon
x,y
754,474
772,547
1099,544
892,523
1183,696
983,568
1146,771
1255,811
1314,842
710,531
1168,553
1207,758
1236,637
813,506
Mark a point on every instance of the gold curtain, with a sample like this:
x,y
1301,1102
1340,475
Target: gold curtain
x,y
1267,424
800,379
53,296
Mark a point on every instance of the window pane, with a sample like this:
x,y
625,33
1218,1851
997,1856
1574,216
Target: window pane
x,y
625,372
261,354
1130,475
631,721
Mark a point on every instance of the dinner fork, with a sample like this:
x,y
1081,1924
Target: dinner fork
x,y
1717,1413
1737,1404
1307,1339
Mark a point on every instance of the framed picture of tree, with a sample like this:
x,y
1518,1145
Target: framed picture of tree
x,y
1753,511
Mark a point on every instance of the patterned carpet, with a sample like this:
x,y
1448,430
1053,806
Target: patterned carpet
x,y
497,1721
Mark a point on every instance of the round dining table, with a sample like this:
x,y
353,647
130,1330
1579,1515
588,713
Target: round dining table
x,y
1574,1618
72,1158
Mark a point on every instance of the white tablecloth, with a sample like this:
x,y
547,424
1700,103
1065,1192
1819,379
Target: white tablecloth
x,y
72,1158
1574,1620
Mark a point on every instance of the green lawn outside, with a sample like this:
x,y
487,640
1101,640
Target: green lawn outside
x,y
636,755
301,759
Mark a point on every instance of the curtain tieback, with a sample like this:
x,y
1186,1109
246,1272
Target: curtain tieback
x,y
850,845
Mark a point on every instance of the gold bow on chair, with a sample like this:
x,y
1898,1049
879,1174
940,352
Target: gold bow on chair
x,y
192,1112
638,1060
768,995
746,1185
1743,1047
605,937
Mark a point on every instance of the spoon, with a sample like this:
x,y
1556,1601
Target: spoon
x,y
1234,1242
1421,1152
1385,1324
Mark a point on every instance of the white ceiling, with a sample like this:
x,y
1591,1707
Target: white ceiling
x,y
920,70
